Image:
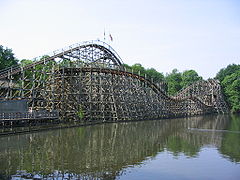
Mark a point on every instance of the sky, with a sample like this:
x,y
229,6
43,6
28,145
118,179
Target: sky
x,y
203,35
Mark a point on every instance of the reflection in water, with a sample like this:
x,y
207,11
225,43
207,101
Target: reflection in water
x,y
106,150
231,142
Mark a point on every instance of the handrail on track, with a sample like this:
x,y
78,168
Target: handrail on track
x,y
38,60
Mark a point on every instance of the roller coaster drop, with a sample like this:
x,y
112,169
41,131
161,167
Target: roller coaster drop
x,y
87,82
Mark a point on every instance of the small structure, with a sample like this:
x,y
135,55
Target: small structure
x,y
14,106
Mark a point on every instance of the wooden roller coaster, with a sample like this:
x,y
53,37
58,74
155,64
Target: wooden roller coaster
x,y
87,82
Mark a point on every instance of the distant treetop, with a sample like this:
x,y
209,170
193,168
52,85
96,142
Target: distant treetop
x,y
7,58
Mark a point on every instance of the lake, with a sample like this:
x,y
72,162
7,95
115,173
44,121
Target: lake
x,y
202,147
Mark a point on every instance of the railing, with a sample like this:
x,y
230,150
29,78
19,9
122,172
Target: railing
x,y
29,115
39,60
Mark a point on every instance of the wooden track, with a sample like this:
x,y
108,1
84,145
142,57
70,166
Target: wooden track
x,y
89,79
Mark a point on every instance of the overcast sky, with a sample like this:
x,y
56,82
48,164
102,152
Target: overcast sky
x,y
203,35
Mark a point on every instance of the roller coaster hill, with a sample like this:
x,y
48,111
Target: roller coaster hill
x,y
87,82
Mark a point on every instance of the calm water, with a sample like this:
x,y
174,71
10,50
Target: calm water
x,y
195,148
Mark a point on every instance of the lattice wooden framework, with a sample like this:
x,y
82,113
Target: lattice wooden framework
x,y
88,83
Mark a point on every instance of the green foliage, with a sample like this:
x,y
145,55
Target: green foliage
x,y
154,74
174,80
7,58
230,69
177,80
138,69
229,78
231,86
28,74
127,67
25,62
80,112
38,71
65,63
150,73
189,77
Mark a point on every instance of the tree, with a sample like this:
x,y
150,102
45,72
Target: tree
x,y
155,75
229,78
7,58
138,68
189,77
231,87
127,67
230,69
150,73
25,62
174,80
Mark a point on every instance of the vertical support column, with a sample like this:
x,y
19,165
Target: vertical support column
x,y
43,82
52,87
22,82
33,93
101,103
10,84
114,106
62,100
90,95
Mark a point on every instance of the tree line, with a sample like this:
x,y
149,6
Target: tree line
x,y
175,80
229,77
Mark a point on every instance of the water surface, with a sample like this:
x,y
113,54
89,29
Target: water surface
x,y
205,147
